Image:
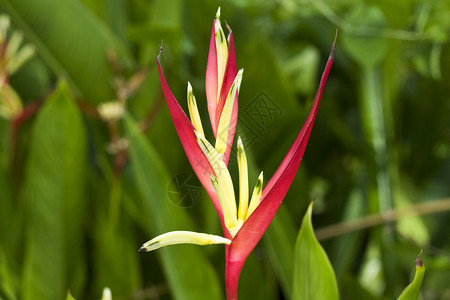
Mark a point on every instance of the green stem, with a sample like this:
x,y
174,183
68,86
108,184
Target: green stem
x,y
373,118
380,199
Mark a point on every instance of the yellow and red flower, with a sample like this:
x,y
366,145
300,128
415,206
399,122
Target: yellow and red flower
x,y
245,225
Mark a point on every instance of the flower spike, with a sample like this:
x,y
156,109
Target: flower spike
x,y
223,130
221,52
273,194
243,227
220,75
230,74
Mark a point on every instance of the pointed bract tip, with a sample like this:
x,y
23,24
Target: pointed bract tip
x,y
418,261
189,87
142,249
333,46
158,58
239,142
218,13
238,78
228,28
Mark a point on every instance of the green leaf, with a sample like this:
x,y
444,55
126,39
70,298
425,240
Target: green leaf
x,y
313,274
70,39
189,273
411,292
54,198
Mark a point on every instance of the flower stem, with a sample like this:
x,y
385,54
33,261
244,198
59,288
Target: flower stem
x,y
232,272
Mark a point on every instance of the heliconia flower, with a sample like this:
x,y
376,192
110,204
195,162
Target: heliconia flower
x,y
245,225
220,74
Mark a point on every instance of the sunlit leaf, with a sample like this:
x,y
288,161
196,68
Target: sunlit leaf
x,y
54,198
313,274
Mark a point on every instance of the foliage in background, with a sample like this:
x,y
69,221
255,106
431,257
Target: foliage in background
x,y
81,189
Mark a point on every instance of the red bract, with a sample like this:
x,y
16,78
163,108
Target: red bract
x,y
244,228
273,194
185,131
216,98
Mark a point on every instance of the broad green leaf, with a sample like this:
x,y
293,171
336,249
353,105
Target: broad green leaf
x,y
189,273
313,274
71,40
54,198
411,292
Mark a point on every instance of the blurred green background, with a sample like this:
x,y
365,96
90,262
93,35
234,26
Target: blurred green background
x,y
80,192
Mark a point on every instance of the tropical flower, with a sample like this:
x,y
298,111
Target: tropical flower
x,y
12,58
243,225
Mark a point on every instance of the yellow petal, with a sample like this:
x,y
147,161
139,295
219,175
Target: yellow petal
x,y
243,180
193,110
10,102
225,117
220,169
183,237
107,295
228,208
221,51
256,196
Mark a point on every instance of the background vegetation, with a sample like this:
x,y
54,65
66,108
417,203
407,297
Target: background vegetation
x,y
79,194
